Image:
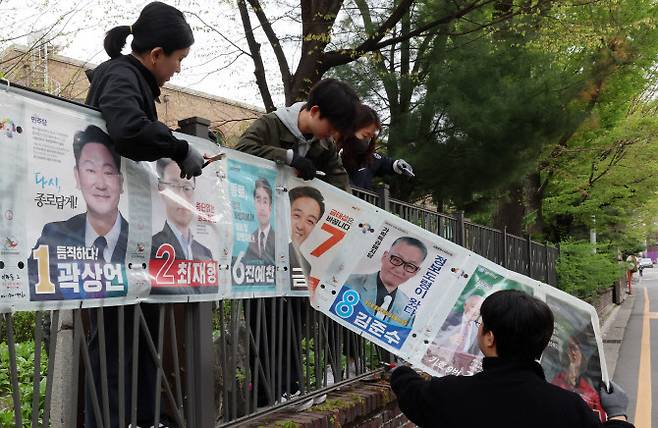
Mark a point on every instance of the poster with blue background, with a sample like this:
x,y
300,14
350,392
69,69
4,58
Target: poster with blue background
x,y
252,195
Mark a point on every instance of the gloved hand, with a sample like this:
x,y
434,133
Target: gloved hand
x,y
402,167
191,165
305,168
614,402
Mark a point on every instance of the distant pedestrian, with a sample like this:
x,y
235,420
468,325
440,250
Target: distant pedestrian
x,y
631,268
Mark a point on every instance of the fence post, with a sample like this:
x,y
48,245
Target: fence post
x,y
505,261
529,247
63,375
383,192
201,369
546,277
460,235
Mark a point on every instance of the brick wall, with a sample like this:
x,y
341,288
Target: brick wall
x,y
369,404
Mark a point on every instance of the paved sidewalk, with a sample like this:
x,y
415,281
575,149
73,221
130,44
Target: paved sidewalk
x,y
613,329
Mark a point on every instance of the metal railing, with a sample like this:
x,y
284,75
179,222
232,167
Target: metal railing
x,y
214,364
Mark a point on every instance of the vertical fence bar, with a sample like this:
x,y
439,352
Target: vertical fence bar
x,y
460,233
384,197
54,328
190,393
36,378
103,365
13,372
546,276
121,314
75,369
529,254
158,375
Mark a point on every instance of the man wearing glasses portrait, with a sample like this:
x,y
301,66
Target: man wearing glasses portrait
x,y
379,290
178,198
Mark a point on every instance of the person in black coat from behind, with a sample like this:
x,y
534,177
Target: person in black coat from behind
x,y
514,328
358,154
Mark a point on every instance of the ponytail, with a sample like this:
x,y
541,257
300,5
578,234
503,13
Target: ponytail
x,y
158,25
115,40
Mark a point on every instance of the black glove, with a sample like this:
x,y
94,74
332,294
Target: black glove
x,y
305,168
614,401
191,165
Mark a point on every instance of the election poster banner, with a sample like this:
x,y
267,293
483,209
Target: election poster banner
x,y
253,200
393,285
79,210
82,226
190,244
572,359
454,349
13,214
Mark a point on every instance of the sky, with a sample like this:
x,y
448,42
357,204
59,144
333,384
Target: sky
x,y
217,64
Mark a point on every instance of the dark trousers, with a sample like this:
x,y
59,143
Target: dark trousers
x,y
146,370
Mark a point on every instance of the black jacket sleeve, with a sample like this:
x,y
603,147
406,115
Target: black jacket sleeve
x,y
381,165
416,396
135,135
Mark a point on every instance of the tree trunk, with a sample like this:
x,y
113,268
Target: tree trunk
x,y
511,211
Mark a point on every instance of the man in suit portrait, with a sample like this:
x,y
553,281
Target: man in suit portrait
x,y
380,289
178,198
262,242
97,173
306,209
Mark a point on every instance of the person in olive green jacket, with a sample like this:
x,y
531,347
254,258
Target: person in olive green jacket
x,y
300,135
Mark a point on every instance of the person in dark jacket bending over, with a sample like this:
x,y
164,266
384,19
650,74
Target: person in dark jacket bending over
x,y
300,135
125,89
511,391
357,152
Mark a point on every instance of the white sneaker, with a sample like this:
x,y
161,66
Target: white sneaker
x,y
299,407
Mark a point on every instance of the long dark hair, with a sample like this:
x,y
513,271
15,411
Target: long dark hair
x,y
352,159
158,25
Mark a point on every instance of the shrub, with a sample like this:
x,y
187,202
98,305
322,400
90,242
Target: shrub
x,y
584,273
25,368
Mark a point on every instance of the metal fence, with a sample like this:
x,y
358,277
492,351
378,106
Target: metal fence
x,y
210,364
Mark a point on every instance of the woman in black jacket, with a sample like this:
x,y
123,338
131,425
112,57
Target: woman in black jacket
x,y
126,87
358,152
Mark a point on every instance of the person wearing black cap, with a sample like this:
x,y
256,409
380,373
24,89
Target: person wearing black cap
x,y
126,87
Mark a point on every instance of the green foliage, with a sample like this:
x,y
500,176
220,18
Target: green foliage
x,y
25,369
23,325
584,273
492,130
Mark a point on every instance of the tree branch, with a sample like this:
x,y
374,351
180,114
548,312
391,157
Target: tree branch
x,y
254,48
274,42
375,42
